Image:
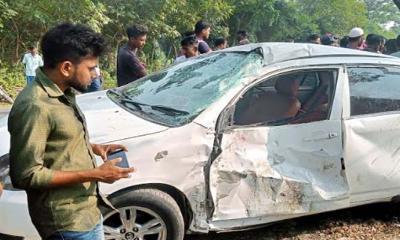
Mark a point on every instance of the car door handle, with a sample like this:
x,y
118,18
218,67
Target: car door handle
x,y
330,135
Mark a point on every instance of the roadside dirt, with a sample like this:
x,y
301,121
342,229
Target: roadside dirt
x,y
376,222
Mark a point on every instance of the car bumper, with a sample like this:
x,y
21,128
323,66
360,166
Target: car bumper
x,y
14,216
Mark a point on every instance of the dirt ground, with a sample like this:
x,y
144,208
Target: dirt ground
x,y
376,222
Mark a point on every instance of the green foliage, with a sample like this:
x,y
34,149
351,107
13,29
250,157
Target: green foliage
x,y
384,18
12,79
336,16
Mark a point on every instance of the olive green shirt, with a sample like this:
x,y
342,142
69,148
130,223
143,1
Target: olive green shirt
x,y
48,133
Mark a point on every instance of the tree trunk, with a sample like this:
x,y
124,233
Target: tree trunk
x,y
397,2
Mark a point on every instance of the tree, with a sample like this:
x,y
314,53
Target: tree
x,y
335,16
383,17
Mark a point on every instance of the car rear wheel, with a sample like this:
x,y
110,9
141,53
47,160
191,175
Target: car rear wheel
x,y
145,214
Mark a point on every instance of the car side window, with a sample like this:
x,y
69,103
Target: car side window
x,y
374,89
295,97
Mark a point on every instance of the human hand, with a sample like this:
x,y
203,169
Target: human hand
x,y
110,173
104,150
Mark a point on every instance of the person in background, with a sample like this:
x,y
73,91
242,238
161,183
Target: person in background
x,y
202,30
32,61
397,53
375,43
97,82
344,42
314,38
329,40
220,43
390,47
189,47
184,35
356,39
242,37
129,67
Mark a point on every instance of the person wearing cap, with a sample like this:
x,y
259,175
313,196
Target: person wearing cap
x,y
356,38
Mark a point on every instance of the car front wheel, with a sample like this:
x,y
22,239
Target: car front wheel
x,y
145,214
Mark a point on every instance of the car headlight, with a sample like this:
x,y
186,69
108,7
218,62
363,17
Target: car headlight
x,y
5,179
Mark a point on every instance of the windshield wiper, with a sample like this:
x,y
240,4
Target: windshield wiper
x,y
134,103
164,109
168,110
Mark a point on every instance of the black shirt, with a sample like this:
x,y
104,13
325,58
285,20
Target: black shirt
x,y
129,67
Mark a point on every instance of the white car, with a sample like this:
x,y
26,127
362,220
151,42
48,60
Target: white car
x,y
241,137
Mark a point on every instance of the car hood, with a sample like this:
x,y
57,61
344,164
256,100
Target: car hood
x,y
109,122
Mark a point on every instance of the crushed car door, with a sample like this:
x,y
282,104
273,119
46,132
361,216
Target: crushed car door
x,y
266,172
372,130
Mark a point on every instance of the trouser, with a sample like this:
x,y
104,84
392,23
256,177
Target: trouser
x,y
29,79
97,233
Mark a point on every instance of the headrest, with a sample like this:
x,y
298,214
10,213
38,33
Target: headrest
x,y
287,86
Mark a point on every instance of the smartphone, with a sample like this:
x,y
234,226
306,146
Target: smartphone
x,y
119,154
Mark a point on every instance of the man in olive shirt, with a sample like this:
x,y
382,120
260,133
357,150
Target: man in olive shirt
x,y
50,155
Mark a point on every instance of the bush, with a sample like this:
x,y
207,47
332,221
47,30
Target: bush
x,y
12,79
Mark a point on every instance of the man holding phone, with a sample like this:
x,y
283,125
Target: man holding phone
x,y
51,157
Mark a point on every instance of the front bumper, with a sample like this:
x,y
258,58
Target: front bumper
x,y
14,216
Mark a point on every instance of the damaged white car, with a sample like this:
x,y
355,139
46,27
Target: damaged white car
x,y
241,137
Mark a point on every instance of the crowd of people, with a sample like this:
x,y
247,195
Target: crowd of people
x,y
356,40
196,42
193,43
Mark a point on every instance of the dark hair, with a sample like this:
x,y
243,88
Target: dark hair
x,y
189,40
391,46
189,34
31,47
219,41
70,42
242,33
136,31
374,40
313,37
200,25
344,41
398,41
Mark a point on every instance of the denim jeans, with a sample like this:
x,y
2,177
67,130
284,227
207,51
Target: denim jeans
x,y
29,79
95,85
97,233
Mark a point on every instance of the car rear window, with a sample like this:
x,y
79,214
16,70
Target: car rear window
x,y
374,89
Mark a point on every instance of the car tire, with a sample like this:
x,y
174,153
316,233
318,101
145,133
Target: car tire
x,y
142,202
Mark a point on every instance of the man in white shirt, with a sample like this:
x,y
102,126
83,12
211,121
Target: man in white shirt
x,y
32,60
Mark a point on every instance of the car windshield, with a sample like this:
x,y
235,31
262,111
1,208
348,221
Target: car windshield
x,y
176,95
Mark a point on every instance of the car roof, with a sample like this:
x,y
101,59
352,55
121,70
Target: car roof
x,y
275,52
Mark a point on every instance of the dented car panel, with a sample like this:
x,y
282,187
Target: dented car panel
x,y
373,164
284,170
